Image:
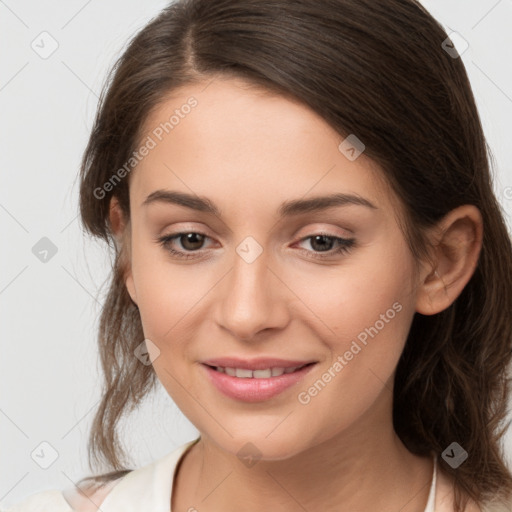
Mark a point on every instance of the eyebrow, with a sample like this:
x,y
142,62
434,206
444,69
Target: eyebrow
x,y
286,209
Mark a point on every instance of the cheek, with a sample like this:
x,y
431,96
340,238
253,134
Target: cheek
x,y
368,310
166,291
363,356
353,296
171,299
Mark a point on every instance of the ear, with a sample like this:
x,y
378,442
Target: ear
x,y
121,230
457,241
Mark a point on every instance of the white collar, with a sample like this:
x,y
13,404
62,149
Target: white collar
x,y
148,487
432,494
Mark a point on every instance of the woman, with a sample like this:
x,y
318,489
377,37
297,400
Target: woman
x,y
309,258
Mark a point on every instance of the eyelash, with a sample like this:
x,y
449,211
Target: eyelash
x,y
346,244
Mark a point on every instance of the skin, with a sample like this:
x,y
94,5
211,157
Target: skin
x,y
248,151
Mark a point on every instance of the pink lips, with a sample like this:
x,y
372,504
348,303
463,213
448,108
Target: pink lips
x,y
254,389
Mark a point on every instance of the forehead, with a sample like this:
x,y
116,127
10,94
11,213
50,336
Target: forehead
x,y
227,139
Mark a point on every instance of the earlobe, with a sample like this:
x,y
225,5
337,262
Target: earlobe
x,y
457,243
130,287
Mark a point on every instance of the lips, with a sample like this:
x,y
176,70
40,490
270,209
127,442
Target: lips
x,y
252,384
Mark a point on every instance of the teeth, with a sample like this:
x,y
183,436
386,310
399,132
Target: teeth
x,y
243,373
239,372
262,374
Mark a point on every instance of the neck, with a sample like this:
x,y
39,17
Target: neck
x,y
353,470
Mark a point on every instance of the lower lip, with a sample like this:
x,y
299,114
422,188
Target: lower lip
x,y
251,389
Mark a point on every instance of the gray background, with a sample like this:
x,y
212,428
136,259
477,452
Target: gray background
x,y
49,310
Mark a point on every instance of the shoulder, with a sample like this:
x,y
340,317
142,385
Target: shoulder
x,y
41,502
88,499
134,490
73,499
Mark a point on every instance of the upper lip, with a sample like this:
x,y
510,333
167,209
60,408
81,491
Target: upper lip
x,y
260,363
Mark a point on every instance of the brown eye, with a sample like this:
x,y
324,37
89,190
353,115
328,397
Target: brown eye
x,y
322,242
329,244
189,244
191,241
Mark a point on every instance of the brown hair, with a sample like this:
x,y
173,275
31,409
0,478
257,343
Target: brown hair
x,y
374,68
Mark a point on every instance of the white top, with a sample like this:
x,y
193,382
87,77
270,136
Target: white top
x,y
432,494
148,488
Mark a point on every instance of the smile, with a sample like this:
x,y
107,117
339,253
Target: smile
x,y
254,385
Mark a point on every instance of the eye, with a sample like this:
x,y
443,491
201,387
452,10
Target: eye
x,y
323,243
190,241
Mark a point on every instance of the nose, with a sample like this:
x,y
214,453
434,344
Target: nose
x,y
254,299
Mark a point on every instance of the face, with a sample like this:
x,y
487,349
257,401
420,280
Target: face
x,y
269,273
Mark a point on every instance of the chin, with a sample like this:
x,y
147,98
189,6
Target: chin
x,y
260,446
